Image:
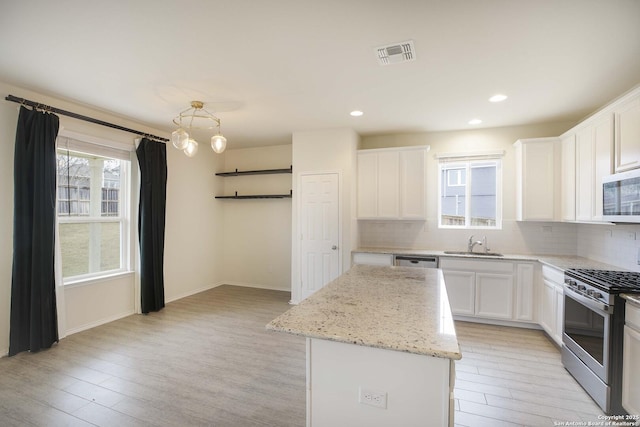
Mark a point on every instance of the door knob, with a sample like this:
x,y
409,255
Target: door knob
x,y
334,247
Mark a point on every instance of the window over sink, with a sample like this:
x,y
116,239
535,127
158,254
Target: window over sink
x,y
470,192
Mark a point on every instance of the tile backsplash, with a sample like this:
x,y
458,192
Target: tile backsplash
x,y
612,244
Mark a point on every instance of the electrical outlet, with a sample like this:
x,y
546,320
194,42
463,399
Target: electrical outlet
x,y
631,235
373,398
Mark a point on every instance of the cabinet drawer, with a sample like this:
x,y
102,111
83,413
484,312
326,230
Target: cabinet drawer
x,y
372,258
553,274
632,316
476,265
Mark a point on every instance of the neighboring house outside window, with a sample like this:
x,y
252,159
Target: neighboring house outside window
x,y
92,200
470,194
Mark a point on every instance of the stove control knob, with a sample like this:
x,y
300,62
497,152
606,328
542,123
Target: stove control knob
x,y
570,283
582,288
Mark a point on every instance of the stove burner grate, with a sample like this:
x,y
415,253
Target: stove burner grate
x,y
608,280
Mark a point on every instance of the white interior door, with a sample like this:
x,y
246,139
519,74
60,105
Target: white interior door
x,y
319,231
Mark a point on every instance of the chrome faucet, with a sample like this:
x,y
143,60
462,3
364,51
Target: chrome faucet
x,y
472,244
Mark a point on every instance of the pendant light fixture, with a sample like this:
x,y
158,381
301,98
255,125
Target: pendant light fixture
x,y
196,117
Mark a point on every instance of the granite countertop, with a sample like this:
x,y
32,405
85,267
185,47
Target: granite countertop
x,y
394,308
561,262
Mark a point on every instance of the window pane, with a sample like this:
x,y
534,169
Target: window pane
x,y
452,199
82,175
483,195
84,242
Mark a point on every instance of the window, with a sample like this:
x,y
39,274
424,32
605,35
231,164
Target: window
x,y
470,194
92,205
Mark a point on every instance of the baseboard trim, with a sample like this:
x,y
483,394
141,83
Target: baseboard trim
x,y
193,292
510,323
255,285
97,323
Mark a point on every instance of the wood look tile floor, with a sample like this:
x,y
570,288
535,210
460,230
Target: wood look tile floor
x,y
207,360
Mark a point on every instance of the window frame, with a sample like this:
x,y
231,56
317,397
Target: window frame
x,y
92,146
452,162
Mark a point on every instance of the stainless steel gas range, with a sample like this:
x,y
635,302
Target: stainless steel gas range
x,y
593,331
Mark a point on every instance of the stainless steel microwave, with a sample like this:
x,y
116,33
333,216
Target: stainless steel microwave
x,y
621,197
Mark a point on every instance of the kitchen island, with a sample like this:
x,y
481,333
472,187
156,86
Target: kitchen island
x,y
381,346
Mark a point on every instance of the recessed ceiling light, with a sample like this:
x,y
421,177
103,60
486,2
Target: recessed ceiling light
x,y
356,113
498,98
475,121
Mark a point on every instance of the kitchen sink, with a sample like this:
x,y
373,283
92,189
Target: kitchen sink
x,y
472,253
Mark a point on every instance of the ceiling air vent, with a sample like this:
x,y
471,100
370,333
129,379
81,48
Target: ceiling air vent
x,y
395,53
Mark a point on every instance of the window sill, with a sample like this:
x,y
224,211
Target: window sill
x,y
96,279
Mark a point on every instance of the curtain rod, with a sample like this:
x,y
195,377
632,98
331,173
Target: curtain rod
x,y
48,108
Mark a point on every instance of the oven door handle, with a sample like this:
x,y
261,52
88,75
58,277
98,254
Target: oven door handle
x,y
593,305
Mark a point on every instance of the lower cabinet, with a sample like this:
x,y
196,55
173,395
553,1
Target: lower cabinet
x,y
630,357
552,307
490,289
372,258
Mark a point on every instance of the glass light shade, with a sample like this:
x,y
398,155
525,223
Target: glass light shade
x,y
218,143
192,148
180,138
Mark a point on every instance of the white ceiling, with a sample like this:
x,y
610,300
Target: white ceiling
x,y
269,68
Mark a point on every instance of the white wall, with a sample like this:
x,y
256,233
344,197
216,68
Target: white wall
x,y
192,250
256,243
325,151
514,237
613,244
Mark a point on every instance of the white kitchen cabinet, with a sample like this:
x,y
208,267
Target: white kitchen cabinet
x,y
525,292
392,183
584,173
537,175
413,184
552,304
388,184
630,357
627,134
461,290
602,160
368,258
568,178
489,289
494,295
594,154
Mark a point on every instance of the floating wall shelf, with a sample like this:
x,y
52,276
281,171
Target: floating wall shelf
x,y
258,196
257,172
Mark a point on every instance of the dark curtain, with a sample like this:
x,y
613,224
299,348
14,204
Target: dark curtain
x,y
152,158
34,322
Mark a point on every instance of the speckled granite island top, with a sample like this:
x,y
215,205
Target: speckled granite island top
x,y
394,308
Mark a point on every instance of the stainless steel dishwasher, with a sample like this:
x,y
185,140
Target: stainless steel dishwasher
x,y
421,261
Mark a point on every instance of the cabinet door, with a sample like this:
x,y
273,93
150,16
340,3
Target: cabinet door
x,y
524,292
536,179
413,184
568,178
584,173
494,295
388,184
631,371
603,160
461,291
367,185
559,314
548,308
627,142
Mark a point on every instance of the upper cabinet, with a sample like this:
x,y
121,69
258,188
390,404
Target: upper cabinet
x,y
594,155
627,134
568,178
392,183
606,143
537,169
